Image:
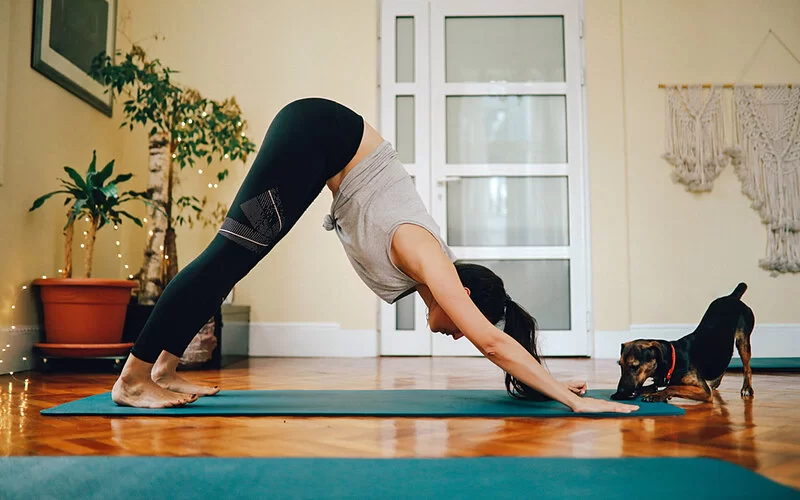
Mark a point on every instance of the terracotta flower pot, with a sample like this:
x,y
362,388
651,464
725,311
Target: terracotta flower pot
x,y
84,311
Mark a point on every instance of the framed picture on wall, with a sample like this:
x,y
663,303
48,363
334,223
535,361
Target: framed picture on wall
x,y
67,35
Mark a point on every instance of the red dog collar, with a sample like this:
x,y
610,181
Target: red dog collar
x,y
671,368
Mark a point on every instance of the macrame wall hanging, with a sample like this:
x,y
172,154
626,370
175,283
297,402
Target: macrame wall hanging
x,y
766,157
695,138
765,152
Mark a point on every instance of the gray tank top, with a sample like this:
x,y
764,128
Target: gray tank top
x,y
374,199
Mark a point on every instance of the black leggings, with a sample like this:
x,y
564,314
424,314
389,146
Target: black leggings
x,y
308,142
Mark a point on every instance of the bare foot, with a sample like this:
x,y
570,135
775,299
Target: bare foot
x,y
144,393
176,383
165,374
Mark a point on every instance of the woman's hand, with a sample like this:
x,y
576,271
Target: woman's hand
x,y
577,387
591,405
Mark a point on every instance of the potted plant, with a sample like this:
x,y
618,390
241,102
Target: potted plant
x,y
87,310
184,128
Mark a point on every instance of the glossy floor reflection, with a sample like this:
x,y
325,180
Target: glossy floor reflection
x,y
761,434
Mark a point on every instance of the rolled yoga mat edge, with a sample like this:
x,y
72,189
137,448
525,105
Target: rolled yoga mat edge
x,y
377,403
768,364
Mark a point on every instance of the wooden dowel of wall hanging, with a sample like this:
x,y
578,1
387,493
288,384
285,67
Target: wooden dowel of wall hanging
x,y
708,85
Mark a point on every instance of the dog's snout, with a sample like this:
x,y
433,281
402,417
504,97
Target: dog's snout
x,y
622,395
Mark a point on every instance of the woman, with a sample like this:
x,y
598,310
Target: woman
x,y
389,237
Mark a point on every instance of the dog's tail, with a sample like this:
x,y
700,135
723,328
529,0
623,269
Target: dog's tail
x,y
740,289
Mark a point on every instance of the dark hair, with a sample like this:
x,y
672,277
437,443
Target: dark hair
x,y
488,293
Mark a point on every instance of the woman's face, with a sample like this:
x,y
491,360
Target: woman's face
x,y
440,322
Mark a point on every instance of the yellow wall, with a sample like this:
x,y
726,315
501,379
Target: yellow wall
x,y
659,253
682,248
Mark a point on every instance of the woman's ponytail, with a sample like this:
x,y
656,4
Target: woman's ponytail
x,y
488,293
521,326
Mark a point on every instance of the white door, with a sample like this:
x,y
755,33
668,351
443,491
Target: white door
x,y
505,174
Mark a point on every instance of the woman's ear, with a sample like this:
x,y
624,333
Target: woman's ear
x,y
468,292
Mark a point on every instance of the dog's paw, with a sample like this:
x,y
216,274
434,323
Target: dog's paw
x,y
747,391
656,397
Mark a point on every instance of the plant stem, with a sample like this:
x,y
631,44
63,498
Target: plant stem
x,y
87,259
68,235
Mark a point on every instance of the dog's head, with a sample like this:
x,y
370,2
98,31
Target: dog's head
x,y
637,362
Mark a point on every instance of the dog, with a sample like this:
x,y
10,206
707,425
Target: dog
x,y
693,366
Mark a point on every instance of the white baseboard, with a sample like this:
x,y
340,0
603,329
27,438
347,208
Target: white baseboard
x,y
311,340
16,348
331,340
770,340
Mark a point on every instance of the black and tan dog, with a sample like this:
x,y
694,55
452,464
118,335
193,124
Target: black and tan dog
x,y
694,365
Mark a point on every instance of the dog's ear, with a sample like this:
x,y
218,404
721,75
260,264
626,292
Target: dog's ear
x,y
621,348
658,353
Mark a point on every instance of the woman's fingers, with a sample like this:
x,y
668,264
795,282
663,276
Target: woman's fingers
x,y
591,405
577,386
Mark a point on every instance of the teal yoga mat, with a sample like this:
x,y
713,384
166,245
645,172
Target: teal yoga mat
x,y
394,403
768,364
316,478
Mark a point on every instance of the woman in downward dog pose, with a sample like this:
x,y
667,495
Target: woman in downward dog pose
x,y
388,236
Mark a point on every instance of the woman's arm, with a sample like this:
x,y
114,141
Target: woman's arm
x,y
417,253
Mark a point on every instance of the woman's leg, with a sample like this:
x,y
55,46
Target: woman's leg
x,y
189,300
289,172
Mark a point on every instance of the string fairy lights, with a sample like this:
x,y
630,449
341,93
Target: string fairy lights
x,y
4,351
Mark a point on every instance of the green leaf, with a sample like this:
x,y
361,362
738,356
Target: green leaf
x,y
136,194
94,162
131,217
105,173
40,201
75,176
110,191
122,178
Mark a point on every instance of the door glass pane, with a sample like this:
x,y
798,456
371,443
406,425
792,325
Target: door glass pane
x,y
404,49
540,286
404,128
506,129
508,211
404,313
504,49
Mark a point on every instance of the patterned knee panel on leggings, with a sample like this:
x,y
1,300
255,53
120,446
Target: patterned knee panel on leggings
x,y
266,218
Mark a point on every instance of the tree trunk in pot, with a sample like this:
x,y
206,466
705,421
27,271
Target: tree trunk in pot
x,y
151,273
171,255
68,236
87,258
170,240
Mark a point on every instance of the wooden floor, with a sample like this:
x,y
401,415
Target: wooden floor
x,y
762,434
